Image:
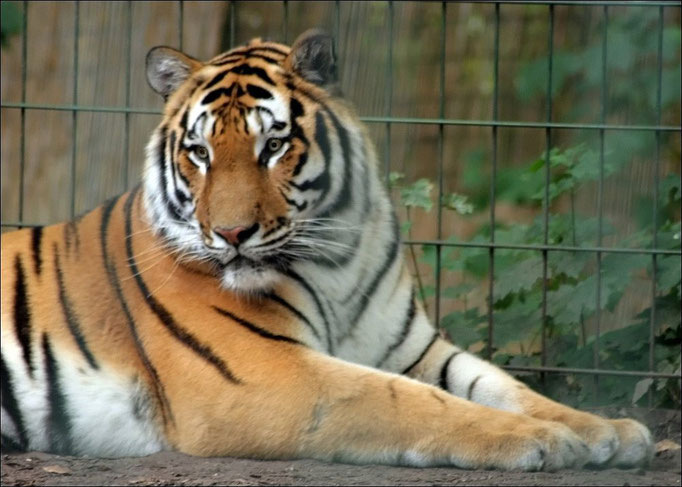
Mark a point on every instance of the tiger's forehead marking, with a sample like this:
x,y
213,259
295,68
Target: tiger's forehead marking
x,y
240,92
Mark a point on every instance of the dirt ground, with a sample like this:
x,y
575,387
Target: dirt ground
x,y
178,469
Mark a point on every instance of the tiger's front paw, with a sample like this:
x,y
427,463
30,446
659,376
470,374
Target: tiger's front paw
x,y
613,443
636,444
545,445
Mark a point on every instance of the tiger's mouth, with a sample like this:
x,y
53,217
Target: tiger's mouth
x,y
244,263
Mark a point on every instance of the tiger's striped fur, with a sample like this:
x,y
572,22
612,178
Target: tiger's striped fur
x,y
250,298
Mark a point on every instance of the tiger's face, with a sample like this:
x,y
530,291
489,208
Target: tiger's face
x,y
241,169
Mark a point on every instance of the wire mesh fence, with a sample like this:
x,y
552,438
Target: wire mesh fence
x,y
545,124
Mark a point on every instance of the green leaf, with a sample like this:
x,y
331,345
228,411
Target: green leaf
x,y
405,227
520,277
668,273
418,194
462,326
519,322
458,203
570,264
395,179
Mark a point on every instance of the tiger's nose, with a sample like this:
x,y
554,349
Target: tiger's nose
x,y
236,235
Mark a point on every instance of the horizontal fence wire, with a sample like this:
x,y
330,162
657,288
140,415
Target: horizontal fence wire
x,y
388,120
385,119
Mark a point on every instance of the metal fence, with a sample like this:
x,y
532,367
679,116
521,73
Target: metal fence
x,y
548,125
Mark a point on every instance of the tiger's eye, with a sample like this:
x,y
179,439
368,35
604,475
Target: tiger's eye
x,y
274,145
201,152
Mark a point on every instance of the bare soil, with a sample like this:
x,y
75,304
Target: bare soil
x,y
175,468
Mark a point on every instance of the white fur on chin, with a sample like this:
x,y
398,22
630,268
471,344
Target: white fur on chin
x,y
249,279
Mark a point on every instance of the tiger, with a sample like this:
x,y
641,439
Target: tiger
x,y
249,298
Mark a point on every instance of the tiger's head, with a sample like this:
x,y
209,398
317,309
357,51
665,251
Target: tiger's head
x,y
251,168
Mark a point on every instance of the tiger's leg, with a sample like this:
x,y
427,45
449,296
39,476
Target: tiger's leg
x,y
427,357
322,407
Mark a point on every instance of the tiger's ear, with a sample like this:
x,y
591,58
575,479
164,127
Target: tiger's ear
x,y
313,58
168,68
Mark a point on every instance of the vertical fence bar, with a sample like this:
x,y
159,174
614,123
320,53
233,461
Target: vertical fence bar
x,y
285,27
657,164
545,206
493,185
337,25
74,113
600,201
441,114
126,122
389,91
22,113
233,24
181,21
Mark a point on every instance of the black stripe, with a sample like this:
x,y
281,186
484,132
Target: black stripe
x,y
247,70
470,391
344,196
10,405
70,315
184,336
249,51
257,329
267,49
443,382
179,195
227,60
291,202
167,203
405,330
293,275
258,92
267,59
322,139
216,79
114,281
271,242
322,182
217,93
385,266
22,315
270,232
423,354
59,429
296,312
36,238
296,111
295,108
302,159
345,193
9,445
